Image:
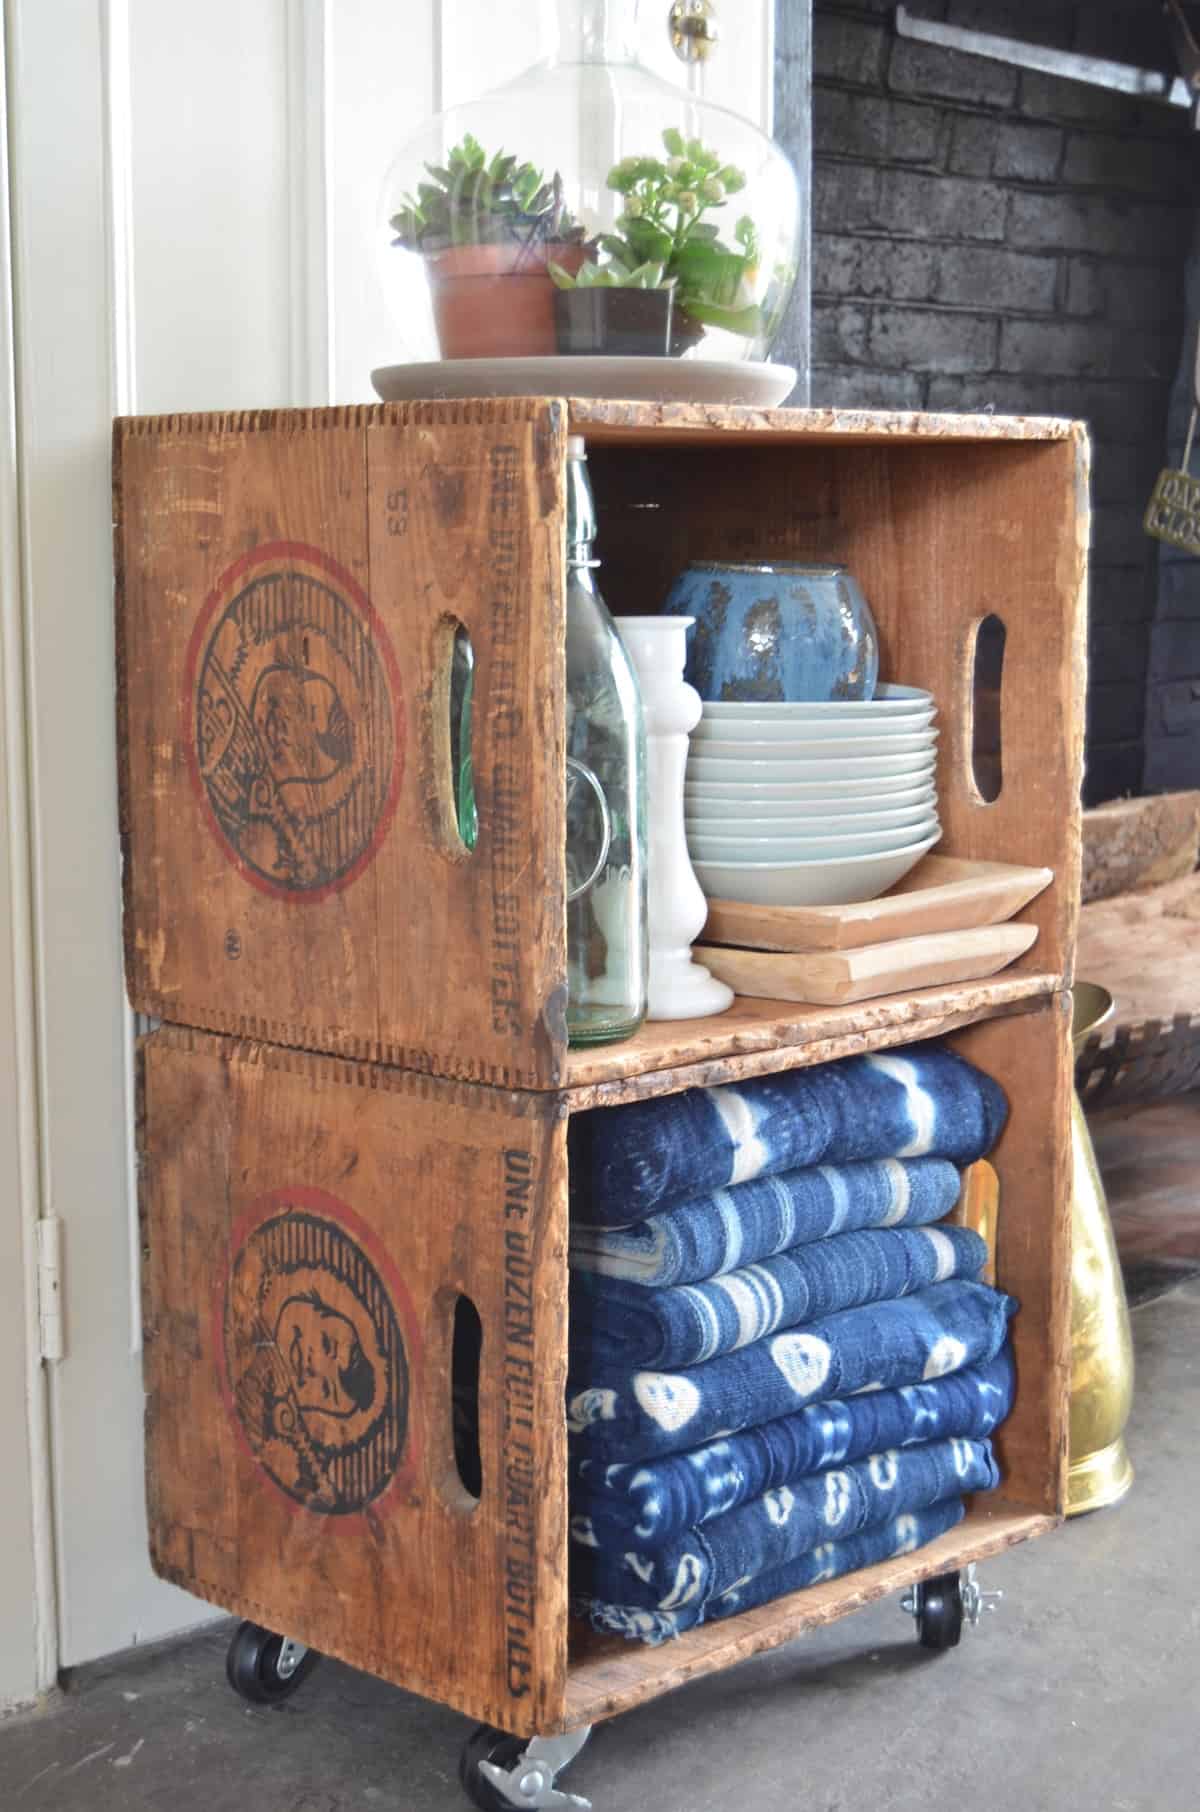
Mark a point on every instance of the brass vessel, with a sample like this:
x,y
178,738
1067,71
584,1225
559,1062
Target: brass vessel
x,y
1100,1471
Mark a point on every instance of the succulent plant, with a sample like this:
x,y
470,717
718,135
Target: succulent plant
x,y
613,275
477,200
662,223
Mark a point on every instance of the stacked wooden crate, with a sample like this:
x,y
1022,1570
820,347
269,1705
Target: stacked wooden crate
x,y
355,1119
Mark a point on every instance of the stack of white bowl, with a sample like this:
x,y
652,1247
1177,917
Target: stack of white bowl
x,y
812,804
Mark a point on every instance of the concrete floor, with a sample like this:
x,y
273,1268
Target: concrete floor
x,y
1080,1695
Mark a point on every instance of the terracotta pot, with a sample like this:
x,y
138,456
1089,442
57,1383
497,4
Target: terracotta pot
x,y
497,301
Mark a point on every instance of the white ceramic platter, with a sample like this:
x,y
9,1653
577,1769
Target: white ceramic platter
x,y
857,774
618,380
787,821
728,800
826,729
888,742
836,883
747,794
706,847
889,701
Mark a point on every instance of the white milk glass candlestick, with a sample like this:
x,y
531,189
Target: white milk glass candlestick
x,y
679,987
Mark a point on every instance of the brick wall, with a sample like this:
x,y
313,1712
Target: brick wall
x,y
986,236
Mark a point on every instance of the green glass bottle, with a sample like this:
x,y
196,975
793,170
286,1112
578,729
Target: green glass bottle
x,y
607,942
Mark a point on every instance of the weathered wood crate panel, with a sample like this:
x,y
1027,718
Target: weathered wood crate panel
x,y
290,1200
287,588
309,1226
287,591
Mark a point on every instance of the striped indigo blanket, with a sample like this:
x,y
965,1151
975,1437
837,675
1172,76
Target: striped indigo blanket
x,y
634,1414
730,1228
925,1101
778,1528
642,1505
614,1322
885,1541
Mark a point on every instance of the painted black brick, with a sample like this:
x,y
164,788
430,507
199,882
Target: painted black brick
x,y
988,238
868,126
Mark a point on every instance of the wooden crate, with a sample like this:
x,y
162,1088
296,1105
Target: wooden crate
x,y
287,589
288,1196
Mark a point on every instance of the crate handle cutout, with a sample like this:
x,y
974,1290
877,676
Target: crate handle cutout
x,y
462,750
987,672
451,719
466,1351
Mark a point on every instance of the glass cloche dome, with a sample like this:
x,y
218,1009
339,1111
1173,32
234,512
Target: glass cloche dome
x,y
588,206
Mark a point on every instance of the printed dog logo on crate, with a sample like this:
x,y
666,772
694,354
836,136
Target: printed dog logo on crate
x,y
315,1362
296,728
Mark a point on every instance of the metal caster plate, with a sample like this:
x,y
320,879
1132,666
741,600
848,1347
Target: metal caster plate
x,y
265,1668
500,1772
943,1604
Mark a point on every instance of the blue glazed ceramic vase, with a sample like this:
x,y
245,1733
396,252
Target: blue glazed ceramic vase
x,y
774,632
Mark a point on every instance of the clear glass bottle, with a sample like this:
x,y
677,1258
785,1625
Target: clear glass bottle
x,y
607,945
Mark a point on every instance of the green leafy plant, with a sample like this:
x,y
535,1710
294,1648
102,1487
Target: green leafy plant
x,y
613,275
663,223
477,200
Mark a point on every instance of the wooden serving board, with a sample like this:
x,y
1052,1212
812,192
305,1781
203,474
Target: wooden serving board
x,y
943,893
833,978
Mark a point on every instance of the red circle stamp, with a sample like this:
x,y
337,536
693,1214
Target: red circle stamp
x,y
293,721
315,1338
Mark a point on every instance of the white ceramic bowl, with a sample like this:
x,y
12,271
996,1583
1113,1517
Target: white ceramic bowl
x,y
705,847
785,821
725,798
856,773
825,730
889,702
823,748
836,883
748,792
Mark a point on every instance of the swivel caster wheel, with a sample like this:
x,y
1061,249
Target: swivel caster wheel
x,y
943,1604
265,1668
500,1773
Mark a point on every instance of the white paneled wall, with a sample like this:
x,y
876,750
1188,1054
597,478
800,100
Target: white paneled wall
x,y
210,203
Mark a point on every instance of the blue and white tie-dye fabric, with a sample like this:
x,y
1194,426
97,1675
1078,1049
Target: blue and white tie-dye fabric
x,y
643,1505
634,1415
731,1228
902,1534
627,1162
614,1322
773,1530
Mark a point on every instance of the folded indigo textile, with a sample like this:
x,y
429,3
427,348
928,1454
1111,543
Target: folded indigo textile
x,y
614,1323
730,1228
642,1506
637,1415
899,1535
776,1529
921,1101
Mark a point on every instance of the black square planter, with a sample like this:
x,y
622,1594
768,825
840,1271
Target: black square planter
x,y
626,323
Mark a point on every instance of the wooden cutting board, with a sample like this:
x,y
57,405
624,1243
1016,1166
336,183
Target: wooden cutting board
x,y
834,978
943,893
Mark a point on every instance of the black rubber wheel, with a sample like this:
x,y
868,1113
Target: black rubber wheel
x,y
940,1611
487,1745
252,1662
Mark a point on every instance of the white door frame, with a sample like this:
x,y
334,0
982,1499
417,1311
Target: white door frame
x,y
28,1625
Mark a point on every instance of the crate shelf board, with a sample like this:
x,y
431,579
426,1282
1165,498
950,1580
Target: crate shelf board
x,y
756,1037
608,1674
630,423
